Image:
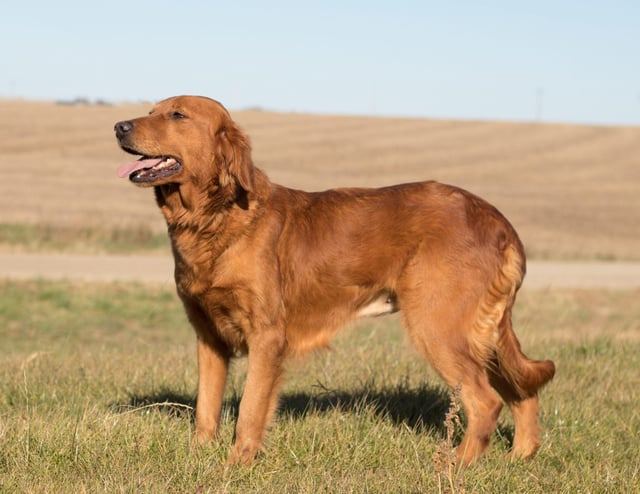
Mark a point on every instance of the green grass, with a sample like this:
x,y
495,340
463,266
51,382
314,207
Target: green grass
x,y
70,239
82,239
97,388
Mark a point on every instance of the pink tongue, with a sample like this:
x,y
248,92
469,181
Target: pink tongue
x,y
128,168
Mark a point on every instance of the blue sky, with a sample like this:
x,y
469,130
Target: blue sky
x,y
557,61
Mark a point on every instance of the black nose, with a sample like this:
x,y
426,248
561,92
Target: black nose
x,y
123,128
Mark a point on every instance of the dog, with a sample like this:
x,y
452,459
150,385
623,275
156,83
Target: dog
x,y
267,271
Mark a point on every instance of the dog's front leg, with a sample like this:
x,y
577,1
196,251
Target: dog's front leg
x,y
260,397
213,362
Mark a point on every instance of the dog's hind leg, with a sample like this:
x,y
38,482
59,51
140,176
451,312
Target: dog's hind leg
x,y
438,319
519,388
525,415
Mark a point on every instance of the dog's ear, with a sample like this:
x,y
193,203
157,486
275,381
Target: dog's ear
x,y
234,151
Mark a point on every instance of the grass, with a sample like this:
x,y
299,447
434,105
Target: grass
x,y
97,389
82,239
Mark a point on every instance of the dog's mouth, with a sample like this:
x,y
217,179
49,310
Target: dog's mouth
x,y
148,169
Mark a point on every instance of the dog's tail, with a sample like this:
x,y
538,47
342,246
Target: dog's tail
x,y
497,344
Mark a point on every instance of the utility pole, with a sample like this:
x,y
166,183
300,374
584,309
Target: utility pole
x,y
539,103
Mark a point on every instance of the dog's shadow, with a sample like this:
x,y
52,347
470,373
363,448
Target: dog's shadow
x,y
414,408
420,409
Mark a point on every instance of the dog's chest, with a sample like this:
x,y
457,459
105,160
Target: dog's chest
x,y
221,301
193,278
218,313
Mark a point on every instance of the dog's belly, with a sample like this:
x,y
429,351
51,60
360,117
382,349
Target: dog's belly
x,y
384,303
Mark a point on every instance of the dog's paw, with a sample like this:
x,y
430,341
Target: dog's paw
x,y
244,453
201,437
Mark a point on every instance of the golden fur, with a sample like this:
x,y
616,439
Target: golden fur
x,y
268,271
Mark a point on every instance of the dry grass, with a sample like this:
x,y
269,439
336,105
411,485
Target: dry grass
x,y
78,239
97,387
572,191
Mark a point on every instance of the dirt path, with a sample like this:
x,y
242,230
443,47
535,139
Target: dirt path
x,y
540,274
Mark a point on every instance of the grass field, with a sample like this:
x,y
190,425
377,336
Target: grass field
x,y
97,389
571,191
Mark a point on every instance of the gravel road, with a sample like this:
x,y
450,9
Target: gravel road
x,y
159,270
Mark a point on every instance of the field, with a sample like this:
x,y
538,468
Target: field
x,y
97,380
97,395
571,191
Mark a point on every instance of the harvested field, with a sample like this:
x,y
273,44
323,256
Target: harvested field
x,y
571,191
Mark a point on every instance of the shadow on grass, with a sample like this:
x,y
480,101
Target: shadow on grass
x,y
420,409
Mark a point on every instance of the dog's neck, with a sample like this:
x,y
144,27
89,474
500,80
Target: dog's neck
x,y
196,213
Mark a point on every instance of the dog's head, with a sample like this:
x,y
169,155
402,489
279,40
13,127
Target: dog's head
x,y
186,139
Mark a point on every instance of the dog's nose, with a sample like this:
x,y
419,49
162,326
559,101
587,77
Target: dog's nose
x,y
123,128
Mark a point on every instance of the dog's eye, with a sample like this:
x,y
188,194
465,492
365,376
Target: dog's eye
x,y
176,115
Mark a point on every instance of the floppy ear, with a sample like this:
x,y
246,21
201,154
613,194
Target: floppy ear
x,y
234,151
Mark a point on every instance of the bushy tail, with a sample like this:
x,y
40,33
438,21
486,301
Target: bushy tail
x,y
525,375
497,342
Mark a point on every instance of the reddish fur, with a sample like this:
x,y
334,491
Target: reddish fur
x,y
269,271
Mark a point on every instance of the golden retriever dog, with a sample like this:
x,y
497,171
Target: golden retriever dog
x,y
267,271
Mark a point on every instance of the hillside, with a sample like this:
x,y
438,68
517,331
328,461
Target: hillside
x,y
571,191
